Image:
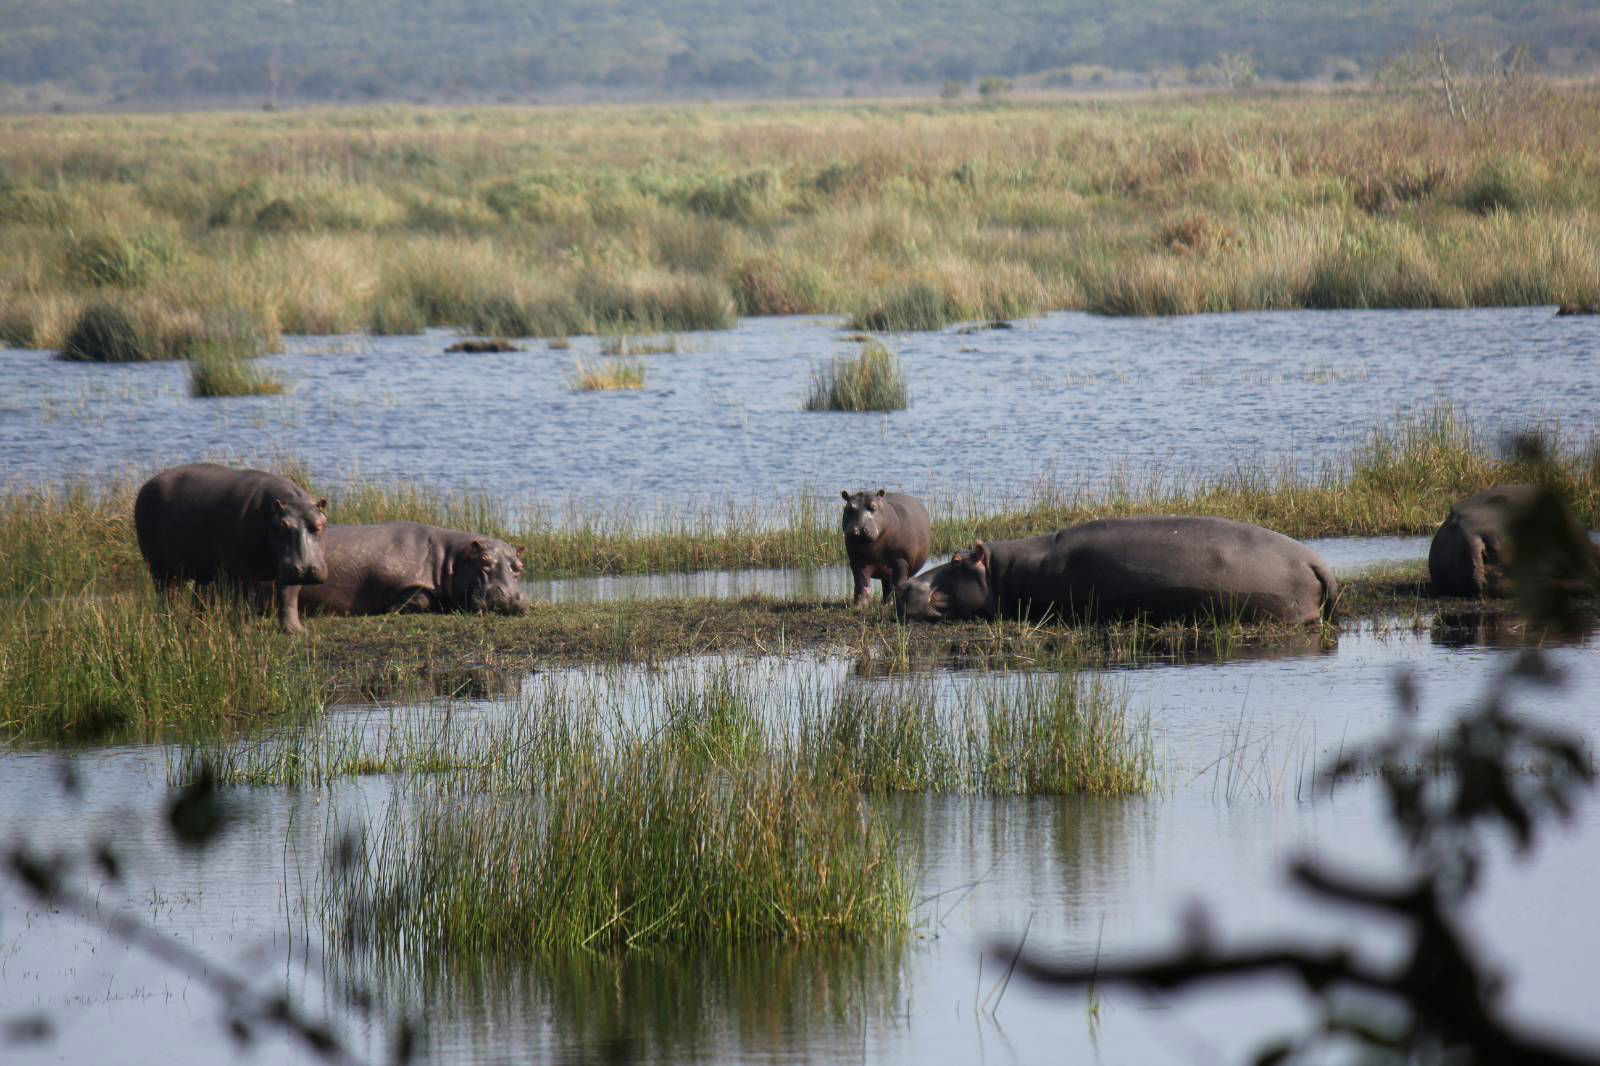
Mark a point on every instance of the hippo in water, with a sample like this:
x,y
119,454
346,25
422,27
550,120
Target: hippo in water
x,y
213,524
886,536
406,566
1474,551
1157,567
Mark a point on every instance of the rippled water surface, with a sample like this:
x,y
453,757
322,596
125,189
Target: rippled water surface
x,y
1069,396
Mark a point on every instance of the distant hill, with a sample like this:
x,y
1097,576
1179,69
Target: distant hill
x,y
385,49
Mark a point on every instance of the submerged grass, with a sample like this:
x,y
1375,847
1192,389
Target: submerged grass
x,y
870,381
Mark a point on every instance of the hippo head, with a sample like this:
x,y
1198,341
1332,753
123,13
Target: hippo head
x,y
861,523
958,589
294,538
488,577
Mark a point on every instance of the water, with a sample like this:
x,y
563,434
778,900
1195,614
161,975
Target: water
x,y
1235,742
1345,554
1068,396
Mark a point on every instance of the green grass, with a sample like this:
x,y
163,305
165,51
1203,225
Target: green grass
x,y
685,821
121,666
1026,734
872,380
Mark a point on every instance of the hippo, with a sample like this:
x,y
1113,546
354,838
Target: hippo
x,y
407,566
886,536
213,525
1473,552
1155,567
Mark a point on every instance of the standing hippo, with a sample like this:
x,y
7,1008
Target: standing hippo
x,y
406,566
213,524
886,536
1474,551
1157,567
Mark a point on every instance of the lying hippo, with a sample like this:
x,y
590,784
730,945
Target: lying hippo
x,y
886,536
208,524
406,566
1473,552
1157,567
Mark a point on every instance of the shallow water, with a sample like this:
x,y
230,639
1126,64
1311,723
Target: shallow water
x,y
1234,743
1073,397
1346,555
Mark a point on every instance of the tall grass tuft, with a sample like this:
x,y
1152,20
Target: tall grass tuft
x,y
871,381
607,375
215,371
1027,734
688,822
124,666
104,333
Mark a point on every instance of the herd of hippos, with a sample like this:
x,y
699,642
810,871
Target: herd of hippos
x,y
252,530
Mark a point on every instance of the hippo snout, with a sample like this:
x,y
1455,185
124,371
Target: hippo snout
x,y
313,574
500,601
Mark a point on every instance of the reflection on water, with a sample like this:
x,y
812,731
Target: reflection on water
x,y
1231,739
657,1006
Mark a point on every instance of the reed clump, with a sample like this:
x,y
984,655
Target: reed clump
x,y
872,380
215,371
607,374
683,820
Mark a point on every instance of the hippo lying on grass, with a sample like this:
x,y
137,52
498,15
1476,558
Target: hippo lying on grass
x,y
406,566
1156,568
886,536
212,524
1474,552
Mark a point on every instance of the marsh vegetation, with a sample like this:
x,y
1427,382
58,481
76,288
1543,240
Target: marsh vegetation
x,y
514,222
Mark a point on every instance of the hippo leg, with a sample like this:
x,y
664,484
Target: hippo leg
x,y
863,586
415,601
288,597
898,575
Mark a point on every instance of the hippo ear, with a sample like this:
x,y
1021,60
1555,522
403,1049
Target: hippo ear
x,y
880,493
846,494
520,551
322,504
980,556
478,552
277,506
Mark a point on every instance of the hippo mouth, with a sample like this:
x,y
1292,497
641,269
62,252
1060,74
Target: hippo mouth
x,y
499,603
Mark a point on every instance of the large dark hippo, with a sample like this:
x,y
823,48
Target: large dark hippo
x,y
1157,567
1474,551
208,524
886,536
407,566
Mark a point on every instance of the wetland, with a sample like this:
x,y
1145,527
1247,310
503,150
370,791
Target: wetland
x,y
693,806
